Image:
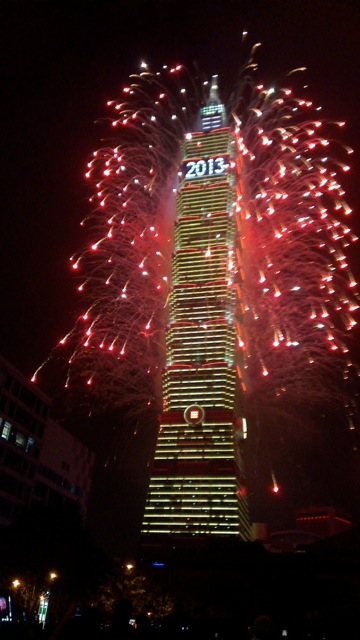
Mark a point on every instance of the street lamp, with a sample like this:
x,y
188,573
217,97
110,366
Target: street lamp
x,y
44,600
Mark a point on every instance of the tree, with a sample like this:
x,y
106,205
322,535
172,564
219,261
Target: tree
x,y
49,539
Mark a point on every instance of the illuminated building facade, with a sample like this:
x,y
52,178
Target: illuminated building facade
x,y
197,485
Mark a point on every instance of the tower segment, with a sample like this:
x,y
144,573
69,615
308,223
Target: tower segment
x,y
197,485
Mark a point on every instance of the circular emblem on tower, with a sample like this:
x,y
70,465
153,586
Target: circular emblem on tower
x,y
194,415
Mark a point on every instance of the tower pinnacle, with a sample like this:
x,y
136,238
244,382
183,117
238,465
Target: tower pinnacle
x,y
213,113
214,94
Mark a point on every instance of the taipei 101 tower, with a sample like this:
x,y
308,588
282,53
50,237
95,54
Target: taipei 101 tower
x,y
197,485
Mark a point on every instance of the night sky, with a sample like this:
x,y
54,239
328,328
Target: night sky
x,y
60,62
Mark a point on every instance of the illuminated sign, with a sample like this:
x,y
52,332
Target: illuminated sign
x,y
194,415
205,167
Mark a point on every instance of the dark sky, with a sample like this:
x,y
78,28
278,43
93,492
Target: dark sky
x,y
60,62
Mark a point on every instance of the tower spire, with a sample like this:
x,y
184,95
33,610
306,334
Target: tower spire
x,y
214,92
213,113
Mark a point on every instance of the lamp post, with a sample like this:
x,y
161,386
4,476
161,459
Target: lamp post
x,y
44,600
8,613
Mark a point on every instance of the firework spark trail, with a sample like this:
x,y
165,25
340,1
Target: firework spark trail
x,y
299,295
116,345
297,284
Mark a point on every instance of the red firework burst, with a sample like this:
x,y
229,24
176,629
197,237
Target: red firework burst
x,y
299,295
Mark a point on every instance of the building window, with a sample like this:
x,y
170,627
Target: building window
x,y
6,508
29,445
6,430
8,381
20,440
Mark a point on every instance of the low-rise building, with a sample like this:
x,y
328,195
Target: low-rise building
x,y
39,460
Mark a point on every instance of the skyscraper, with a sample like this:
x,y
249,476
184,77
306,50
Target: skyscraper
x,y
197,485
